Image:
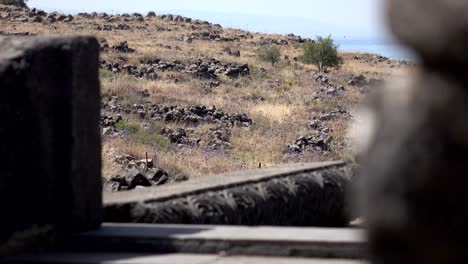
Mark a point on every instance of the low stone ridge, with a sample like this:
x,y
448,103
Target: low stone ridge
x,y
49,103
200,30
305,197
194,115
327,89
200,68
123,47
320,140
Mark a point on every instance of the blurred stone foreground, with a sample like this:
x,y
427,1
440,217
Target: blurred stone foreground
x,y
413,181
415,176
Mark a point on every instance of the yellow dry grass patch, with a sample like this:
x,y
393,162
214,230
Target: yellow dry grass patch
x,y
274,112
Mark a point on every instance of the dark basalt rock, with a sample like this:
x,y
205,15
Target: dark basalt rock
x,y
49,103
135,178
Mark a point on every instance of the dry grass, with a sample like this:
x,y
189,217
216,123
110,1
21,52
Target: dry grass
x,y
280,99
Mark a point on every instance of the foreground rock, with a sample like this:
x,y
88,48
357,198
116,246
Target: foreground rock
x,y
50,110
415,173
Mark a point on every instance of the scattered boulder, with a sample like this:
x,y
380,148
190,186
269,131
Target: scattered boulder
x,y
232,52
335,114
179,137
319,142
136,174
151,14
123,47
219,138
135,177
358,80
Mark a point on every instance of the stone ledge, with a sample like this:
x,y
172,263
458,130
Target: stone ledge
x,y
119,258
252,241
307,195
212,182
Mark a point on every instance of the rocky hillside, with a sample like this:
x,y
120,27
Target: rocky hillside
x,y
192,97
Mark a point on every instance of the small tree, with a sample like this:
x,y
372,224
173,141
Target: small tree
x,y
322,52
17,3
269,54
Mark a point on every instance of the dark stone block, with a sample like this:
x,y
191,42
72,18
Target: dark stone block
x,y
50,141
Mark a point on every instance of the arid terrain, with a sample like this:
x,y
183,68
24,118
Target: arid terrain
x,y
194,98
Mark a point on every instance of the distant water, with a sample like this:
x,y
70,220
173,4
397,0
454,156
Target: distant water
x,y
382,47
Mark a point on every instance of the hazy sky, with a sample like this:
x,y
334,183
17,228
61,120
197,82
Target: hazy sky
x,y
354,19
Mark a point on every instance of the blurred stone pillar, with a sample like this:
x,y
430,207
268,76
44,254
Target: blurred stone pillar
x,y
49,138
415,176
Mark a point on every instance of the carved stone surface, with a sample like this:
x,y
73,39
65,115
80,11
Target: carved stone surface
x,y
50,141
297,198
415,171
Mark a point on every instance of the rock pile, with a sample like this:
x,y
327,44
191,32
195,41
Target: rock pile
x,y
326,88
195,115
201,68
335,114
320,142
179,137
211,68
110,27
141,71
358,80
281,41
135,173
123,47
32,15
108,124
362,82
318,125
219,138
207,35
329,90
232,52
175,18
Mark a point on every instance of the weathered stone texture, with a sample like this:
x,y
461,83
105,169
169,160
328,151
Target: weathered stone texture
x,y
415,174
49,131
297,198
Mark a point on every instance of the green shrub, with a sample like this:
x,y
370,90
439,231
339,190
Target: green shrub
x,y
144,136
269,54
105,74
152,139
131,128
322,52
258,72
17,3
